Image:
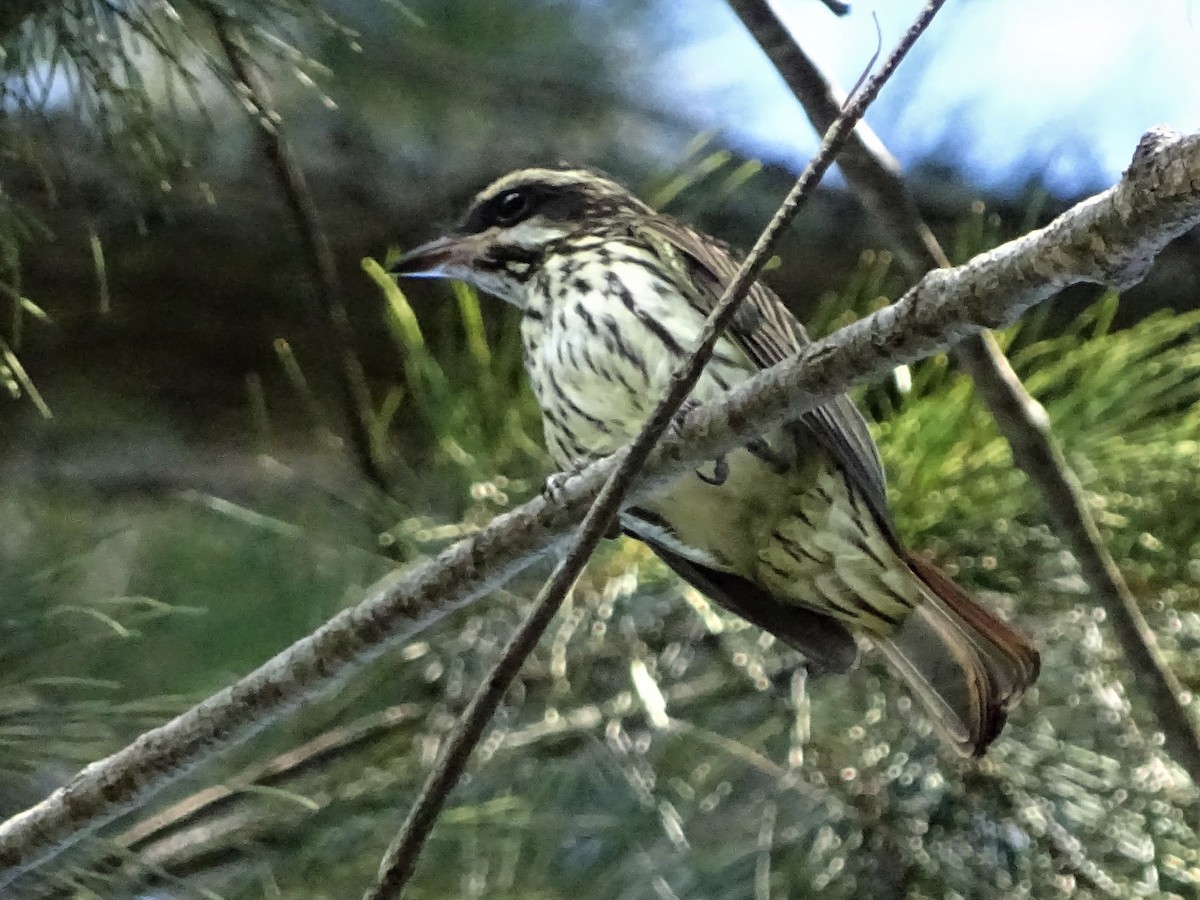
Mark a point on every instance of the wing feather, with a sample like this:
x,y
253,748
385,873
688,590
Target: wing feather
x,y
825,642
768,332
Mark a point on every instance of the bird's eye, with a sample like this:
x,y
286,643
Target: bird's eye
x,y
511,207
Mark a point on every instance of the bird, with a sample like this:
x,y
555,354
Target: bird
x,y
791,530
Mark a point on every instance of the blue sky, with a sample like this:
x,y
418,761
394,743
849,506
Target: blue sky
x,y
1002,87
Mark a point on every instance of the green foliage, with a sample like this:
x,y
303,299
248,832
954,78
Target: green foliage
x,y
132,74
65,599
460,395
16,227
130,79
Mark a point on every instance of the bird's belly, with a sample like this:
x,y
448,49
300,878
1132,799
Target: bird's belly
x,y
599,367
722,513
599,360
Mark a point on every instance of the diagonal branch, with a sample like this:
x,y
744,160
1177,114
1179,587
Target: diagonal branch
x,y
875,177
1109,239
341,360
400,859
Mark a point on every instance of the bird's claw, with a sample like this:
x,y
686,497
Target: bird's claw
x,y
554,491
720,465
680,414
555,487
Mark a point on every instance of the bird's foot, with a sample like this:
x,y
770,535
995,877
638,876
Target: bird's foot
x,y
680,414
720,465
554,490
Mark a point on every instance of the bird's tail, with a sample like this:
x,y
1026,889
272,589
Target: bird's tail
x,y
964,664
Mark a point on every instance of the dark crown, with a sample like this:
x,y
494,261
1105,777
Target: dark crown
x,y
558,194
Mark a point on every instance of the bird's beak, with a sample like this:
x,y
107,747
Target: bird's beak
x,y
445,257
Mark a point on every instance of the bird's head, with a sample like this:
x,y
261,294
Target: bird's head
x,y
516,221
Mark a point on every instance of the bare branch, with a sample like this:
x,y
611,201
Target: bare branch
x,y
837,7
875,177
868,167
340,357
1111,239
400,859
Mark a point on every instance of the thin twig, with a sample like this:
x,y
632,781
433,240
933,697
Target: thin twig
x,y
312,755
340,357
875,177
400,859
1111,238
182,821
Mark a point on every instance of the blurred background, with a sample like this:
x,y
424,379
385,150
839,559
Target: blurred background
x,y
180,498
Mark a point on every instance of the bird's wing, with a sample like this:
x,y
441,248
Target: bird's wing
x,y
769,333
825,642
